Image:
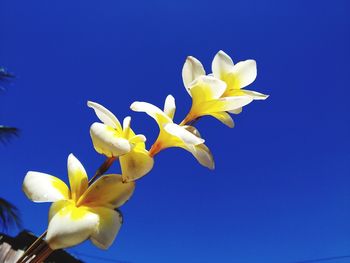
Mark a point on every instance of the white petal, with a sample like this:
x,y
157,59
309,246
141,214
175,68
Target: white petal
x,y
78,179
187,137
105,115
126,127
169,106
69,225
191,70
203,155
139,138
236,111
108,227
160,117
201,152
227,104
146,107
245,71
40,187
224,117
192,130
256,95
107,141
222,64
207,88
126,123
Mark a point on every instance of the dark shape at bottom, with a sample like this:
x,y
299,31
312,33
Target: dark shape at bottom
x,y
12,248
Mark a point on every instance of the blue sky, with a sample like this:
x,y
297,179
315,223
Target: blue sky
x,y
280,190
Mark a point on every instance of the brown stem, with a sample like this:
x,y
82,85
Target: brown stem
x,y
32,247
103,168
156,147
43,254
36,244
36,252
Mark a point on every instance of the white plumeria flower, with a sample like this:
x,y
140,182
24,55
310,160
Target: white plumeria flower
x,y
236,76
220,92
83,212
174,135
113,140
109,137
206,93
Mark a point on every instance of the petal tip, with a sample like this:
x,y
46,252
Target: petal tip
x,y
91,104
71,157
126,122
221,52
266,96
192,59
170,97
133,106
72,160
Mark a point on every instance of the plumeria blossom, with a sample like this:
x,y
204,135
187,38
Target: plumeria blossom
x,y
113,140
174,135
236,76
220,92
81,212
207,94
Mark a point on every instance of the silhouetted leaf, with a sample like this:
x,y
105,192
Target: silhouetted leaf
x,y
5,75
6,133
9,215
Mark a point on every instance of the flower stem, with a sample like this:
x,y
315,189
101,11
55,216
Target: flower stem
x,y
156,147
103,168
31,248
43,254
37,251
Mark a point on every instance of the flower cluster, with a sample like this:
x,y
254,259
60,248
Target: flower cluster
x,y
89,209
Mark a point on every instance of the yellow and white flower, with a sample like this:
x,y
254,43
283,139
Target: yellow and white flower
x,y
174,135
81,212
220,92
206,93
113,140
236,76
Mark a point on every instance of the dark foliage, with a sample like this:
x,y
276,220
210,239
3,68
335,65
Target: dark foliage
x,y
5,75
9,215
6,133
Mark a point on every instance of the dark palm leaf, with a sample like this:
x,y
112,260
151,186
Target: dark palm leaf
x,y
5,75
9,215
6,133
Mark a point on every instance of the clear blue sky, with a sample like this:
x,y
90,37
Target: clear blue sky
x,y
281,188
